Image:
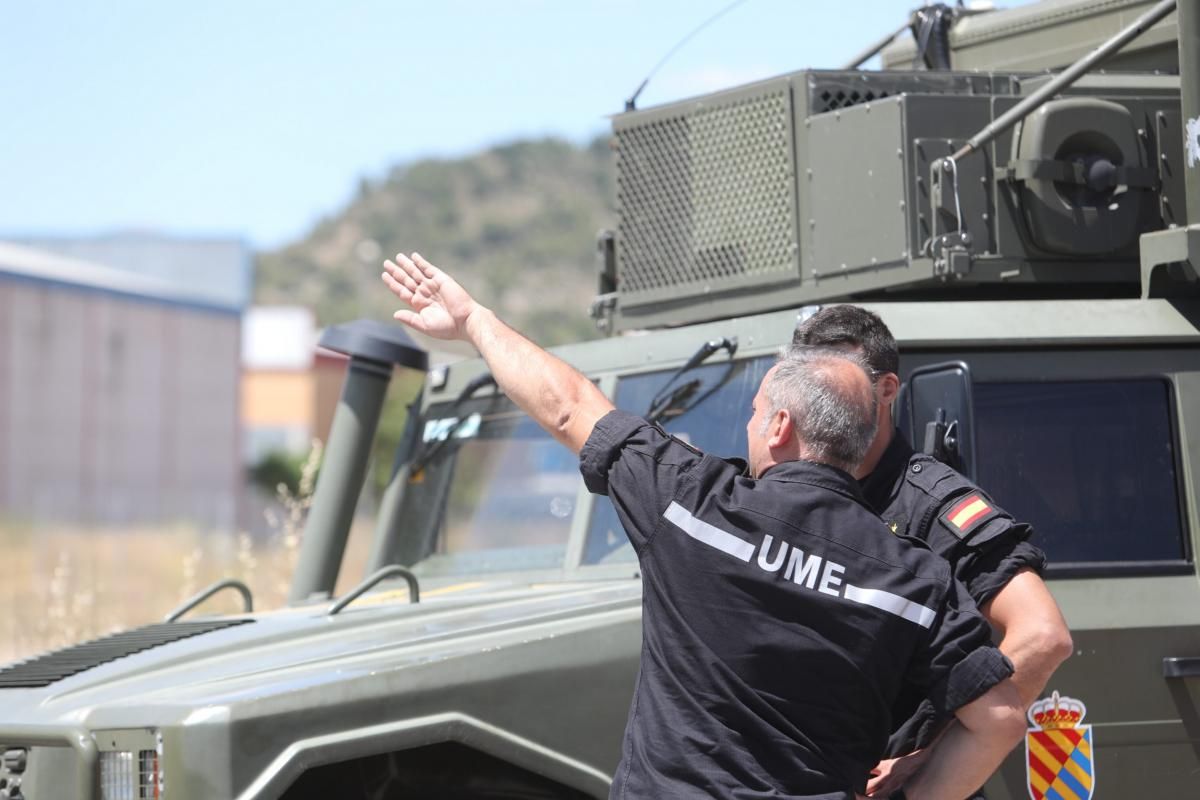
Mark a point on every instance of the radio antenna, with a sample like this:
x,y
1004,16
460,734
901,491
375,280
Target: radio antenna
x,y
631,103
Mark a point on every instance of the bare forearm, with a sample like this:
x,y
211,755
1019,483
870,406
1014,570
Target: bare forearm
x,y
1034,634
1033,663
960,764
970,750
556,395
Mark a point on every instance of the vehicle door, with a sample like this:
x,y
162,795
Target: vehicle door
x,y
1098,449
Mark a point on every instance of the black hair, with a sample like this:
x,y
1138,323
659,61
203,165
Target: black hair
x,y
851,326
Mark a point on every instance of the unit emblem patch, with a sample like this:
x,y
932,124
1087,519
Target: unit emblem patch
x,y
1058,751
966,515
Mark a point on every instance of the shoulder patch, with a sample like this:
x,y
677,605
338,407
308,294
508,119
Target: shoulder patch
x,y
966,515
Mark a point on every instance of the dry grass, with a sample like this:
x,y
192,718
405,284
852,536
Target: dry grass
x,y
67,584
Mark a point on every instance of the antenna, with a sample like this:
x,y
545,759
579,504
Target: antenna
x,y
631,103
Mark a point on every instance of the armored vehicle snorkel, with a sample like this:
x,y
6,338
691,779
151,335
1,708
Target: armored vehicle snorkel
x,y
1037,230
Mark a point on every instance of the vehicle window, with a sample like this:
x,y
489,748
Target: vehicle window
x,y
710,412
1090,464
498,495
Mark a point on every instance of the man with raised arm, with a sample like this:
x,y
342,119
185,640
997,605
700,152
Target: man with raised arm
x,y
780,619
989,552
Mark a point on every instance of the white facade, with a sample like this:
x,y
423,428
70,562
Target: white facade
x,y
279,345
278,337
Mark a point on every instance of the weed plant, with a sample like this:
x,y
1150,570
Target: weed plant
x,y
71,583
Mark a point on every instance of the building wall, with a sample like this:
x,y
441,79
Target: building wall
x,y
277,412
284,410
329,372
116,409
277,398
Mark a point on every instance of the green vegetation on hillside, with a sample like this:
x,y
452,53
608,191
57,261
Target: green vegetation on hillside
x,y
516,223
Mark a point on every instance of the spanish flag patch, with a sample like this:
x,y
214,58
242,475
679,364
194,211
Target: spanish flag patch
x,y
967,514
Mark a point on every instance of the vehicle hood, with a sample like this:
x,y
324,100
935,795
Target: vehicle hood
x,y
306,649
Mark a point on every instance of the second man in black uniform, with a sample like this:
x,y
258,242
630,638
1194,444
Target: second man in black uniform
x,y
988,550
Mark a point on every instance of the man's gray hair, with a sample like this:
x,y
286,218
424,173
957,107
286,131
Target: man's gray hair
x,y
833,417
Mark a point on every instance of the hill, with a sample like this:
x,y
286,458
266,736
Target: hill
x,y
516,223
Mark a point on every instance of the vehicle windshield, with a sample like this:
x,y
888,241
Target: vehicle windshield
x,y
498,496
710,411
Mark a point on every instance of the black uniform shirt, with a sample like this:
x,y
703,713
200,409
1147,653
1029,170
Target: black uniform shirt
x,y
779,620
916,495
924,498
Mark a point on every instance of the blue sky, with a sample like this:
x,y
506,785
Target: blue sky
x,y
255,118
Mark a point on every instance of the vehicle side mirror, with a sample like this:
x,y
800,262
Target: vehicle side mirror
x,y
936,412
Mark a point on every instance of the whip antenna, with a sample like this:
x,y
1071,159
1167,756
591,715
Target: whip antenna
x,y
631,103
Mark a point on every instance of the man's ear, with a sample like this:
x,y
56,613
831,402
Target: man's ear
x,y
781,429
887,387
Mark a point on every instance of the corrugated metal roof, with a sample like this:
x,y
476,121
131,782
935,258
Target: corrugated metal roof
x,y
215,271
29,263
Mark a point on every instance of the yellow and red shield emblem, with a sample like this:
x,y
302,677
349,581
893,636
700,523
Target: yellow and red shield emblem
x,y
1058,751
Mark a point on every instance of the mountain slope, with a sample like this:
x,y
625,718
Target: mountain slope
x,y
516,224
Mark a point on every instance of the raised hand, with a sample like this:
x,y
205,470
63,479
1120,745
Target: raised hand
x,y
440,307
552,392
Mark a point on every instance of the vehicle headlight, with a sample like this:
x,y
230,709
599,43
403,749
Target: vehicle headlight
x,y
129,770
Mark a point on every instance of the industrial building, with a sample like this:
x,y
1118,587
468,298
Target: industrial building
x,y
119,380
290,387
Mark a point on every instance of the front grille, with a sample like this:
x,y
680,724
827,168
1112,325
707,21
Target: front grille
x,y
54,666
706,195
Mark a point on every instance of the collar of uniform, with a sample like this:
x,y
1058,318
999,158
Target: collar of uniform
x,y
880,486
815,474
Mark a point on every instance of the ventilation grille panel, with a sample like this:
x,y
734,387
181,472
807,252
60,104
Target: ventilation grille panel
x,y
832,90
58,664
831,98
706,196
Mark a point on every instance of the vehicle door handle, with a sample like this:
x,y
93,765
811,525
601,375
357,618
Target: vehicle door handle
x,y
1181,667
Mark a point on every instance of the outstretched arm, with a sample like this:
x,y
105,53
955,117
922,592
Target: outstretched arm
x,y
556,395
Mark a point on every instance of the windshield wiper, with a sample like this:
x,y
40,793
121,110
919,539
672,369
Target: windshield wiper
x,y
426,454
665,400
674,403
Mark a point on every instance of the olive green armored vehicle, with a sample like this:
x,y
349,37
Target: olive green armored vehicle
x,y
1017,194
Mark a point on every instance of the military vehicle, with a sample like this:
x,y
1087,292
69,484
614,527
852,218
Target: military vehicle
x,y
1028,219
